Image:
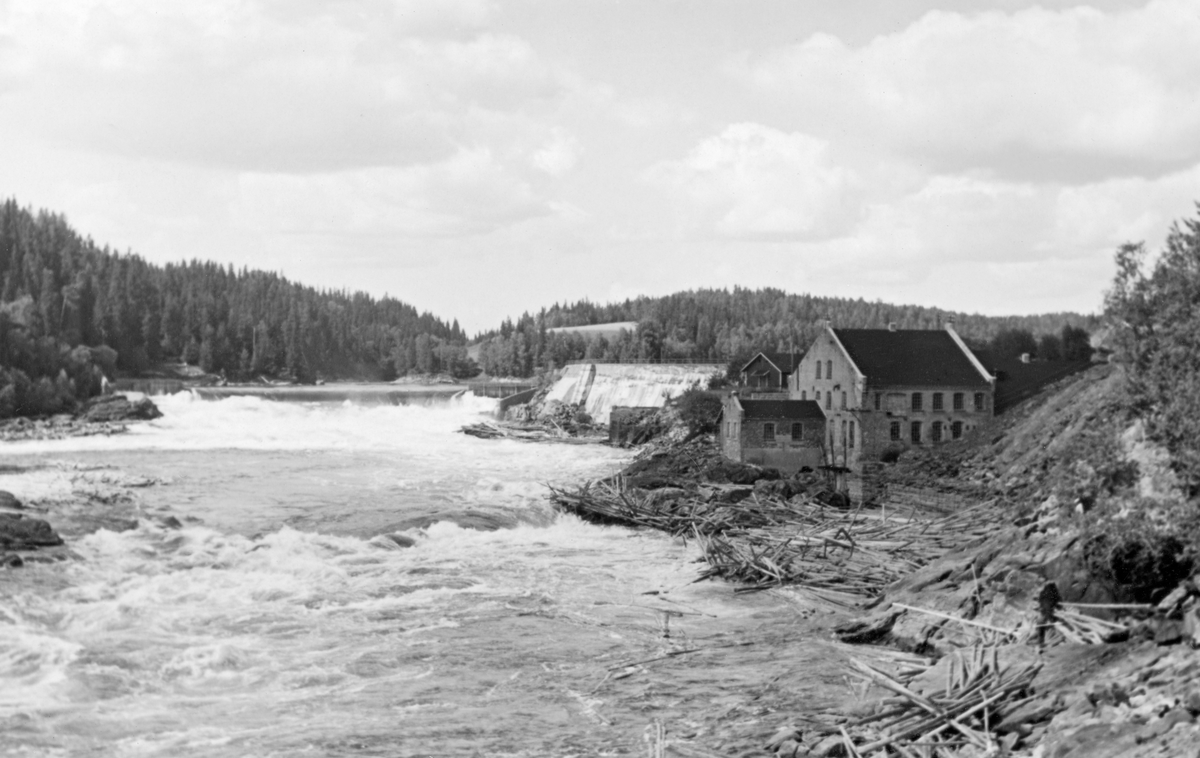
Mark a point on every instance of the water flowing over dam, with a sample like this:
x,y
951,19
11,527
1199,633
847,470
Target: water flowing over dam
x,y
603,386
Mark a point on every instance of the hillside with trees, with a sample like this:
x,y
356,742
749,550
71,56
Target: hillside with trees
x,y
71,311
723,326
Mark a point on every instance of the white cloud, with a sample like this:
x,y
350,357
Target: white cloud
x,y
1035,93
559,155
470,193
752,181
269,85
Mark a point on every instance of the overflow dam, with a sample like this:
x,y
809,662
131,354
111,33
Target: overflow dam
x,y
600,387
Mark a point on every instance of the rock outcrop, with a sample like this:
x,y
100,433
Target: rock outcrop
x,y
110,408
19,532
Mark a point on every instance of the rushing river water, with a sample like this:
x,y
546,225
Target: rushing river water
x,y
278,622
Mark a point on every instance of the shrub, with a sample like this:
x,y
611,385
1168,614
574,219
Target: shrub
x,y
699,410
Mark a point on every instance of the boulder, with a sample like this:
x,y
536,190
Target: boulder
x,y
9,502
109,408
20,533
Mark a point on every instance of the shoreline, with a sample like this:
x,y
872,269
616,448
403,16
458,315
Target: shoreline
x,y
973,604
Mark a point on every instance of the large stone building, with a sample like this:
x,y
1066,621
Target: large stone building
x,y
780,433
887,390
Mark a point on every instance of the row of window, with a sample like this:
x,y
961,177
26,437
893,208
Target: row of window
x,y
828,369
957,399
939,401
937,431
828,398
769,432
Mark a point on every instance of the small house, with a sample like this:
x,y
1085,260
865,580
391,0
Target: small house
x,y
769,372
778,433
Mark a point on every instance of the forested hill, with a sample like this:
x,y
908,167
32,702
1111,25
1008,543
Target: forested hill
x,y
60,291
723,325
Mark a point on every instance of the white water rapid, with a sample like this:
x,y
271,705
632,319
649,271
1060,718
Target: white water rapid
x,y
277,621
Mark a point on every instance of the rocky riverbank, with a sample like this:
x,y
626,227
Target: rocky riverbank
x,y
1060,618
103,415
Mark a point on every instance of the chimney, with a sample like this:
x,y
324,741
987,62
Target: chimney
x,y
950,324
891,326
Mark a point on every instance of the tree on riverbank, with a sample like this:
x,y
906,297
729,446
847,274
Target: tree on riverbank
x,y
60,291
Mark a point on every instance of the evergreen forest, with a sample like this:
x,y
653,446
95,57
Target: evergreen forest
x,y
72,312
728,327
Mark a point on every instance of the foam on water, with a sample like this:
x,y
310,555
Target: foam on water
x,y
282,621
256,423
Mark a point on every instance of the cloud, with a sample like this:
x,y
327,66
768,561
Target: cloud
x,y
270,85
752,181
969,220
559,155
1075,93
470,193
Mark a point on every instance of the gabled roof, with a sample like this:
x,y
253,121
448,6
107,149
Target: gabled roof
x,y
910,357
797,409
785,362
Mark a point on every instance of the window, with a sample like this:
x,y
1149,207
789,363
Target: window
x,y
937,401
843,401
828,400
935,432
956,430
843,431
769,431
828,369
818,369
979,401
803,394
851,434
958,401
895,431
916,401
878,400
797,432
915,432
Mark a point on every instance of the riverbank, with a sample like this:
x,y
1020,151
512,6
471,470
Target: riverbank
x,y
987,579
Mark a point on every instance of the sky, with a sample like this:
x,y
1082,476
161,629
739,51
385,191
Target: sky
x,y
479,158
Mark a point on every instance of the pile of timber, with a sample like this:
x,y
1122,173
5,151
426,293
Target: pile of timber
x,y
766,541
957,712
525,433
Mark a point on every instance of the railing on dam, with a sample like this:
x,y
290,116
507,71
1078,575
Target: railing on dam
x,y
499,389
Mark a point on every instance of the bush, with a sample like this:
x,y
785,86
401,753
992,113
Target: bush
x,y
699,410
1158,340
1146,550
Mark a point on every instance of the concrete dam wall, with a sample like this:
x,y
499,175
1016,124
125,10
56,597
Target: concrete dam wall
x,y
603,386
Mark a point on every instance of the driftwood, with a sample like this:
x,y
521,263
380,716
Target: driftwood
x,y
525,433
978,693
763,541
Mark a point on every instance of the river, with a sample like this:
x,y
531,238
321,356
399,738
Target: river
x,y
278,621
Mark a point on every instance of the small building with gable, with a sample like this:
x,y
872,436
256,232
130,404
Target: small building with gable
x,y
769,372
780,433
888,390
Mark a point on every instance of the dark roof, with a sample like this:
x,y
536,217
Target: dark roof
x,y
1016,381
785,362
781,409
910,357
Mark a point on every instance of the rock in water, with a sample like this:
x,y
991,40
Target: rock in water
x,y
119,408
9,502
19,533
